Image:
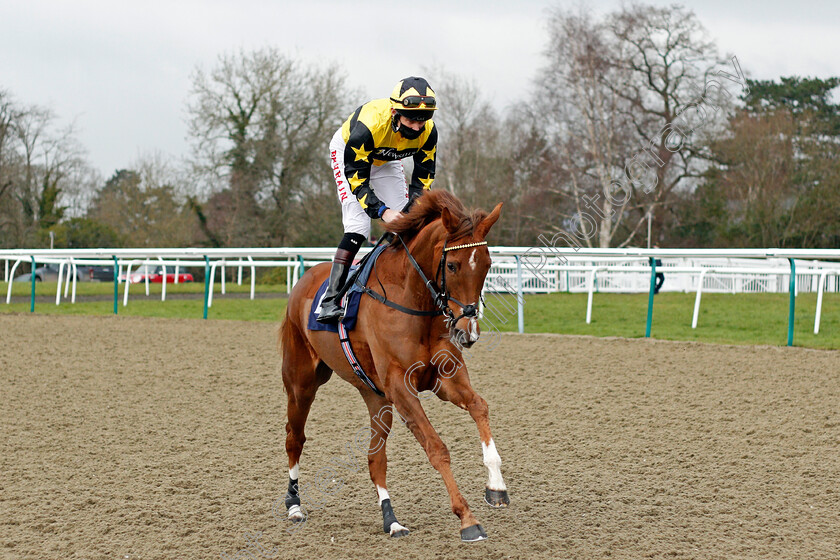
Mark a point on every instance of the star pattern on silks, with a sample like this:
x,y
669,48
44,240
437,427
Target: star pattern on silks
x,y
355,181
361,153
430,154
363,203
427,183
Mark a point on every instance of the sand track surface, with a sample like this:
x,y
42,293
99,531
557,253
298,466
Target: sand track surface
x,y
136,438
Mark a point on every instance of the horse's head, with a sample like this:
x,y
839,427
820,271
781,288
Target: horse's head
x,y
465,261
450,243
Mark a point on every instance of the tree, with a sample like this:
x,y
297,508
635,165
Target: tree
x,y
260,125
143,211
776,179
80,233
584,120
8,115
474,160
317,218
42,168
534,201
623,97
808,100
755,180
8,169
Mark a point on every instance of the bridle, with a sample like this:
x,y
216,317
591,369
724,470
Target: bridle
x,y
439,293
469,311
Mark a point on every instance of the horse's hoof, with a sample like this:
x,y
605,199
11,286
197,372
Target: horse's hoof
x,y
473,534
398,531
296,515
389,520
496,498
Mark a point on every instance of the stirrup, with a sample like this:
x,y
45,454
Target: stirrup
x,y
329,316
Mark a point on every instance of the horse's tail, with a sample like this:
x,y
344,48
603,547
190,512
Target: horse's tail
x,y
284,334
284,339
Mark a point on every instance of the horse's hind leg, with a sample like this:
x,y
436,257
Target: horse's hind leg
x,y
299,404
381,417
301,378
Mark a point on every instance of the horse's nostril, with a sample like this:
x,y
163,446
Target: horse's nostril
x,y
460,337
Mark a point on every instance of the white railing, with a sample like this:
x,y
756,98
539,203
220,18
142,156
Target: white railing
x,y
515,270
631,275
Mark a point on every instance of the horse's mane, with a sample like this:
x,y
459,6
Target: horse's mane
x,y
428,207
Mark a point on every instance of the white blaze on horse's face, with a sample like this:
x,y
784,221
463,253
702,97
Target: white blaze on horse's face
x,y
466,265
465,274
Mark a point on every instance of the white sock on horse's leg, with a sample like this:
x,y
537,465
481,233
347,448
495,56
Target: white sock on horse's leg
x,y
383,494
495,494
494,466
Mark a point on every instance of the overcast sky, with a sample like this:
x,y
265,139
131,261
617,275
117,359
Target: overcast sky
x,y
121,70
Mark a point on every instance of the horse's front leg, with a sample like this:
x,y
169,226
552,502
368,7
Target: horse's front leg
x,y
409,408
454,386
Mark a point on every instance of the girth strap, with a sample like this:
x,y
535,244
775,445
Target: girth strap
x,y
354,363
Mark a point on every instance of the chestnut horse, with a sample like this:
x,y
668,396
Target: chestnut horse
x,y
432,275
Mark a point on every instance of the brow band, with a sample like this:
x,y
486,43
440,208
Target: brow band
x,y
465,246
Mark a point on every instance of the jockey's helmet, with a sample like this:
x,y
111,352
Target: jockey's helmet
x,y
414,99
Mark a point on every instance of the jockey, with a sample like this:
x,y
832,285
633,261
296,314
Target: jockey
x,y
366,154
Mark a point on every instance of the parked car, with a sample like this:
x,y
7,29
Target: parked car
x,y
155,274
101,273
49,273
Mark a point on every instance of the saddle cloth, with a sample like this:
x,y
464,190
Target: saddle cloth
x,y
351,299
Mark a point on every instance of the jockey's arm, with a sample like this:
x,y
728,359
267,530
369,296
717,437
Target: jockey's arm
x,y
358,159
424,168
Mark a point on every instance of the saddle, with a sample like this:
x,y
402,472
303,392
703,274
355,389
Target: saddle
x,y
353,290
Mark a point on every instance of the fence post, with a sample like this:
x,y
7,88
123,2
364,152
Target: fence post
x,y
206,282
650,296
820,288
792,306
589,299
116,286
302,269
697,299
32,295
520,312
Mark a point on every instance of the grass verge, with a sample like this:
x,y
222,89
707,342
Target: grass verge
x,y
724,318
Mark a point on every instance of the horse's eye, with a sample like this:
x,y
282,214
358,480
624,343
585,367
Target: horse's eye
x,y
450,266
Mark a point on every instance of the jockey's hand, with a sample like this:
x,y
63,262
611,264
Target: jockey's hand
x,y
390,215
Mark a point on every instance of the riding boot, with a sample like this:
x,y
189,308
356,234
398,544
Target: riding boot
x,y
331,310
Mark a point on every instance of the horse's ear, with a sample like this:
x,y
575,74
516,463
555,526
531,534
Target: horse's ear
x,y
449,221
484,226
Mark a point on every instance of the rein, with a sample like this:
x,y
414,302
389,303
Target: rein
x,y
439,295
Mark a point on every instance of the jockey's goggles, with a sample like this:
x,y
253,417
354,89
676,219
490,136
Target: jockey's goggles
x,y
415,101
